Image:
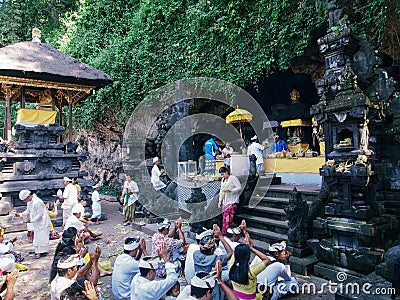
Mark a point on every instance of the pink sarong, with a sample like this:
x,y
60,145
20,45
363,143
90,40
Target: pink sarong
x,y
227,216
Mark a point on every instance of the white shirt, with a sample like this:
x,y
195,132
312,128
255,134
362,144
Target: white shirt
x,y
73,221
37,214
185,293
125,268
155,178
271,273
144,289
96,205
70,196
235,187
59,285
189,263
231,243
256,149
81,209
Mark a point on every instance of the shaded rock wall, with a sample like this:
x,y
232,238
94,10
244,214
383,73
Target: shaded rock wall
x,y
103,143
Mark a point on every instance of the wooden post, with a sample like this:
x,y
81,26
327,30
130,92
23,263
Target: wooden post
x,y
22,97
70,137
7,133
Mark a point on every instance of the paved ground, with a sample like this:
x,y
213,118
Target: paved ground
x,y
33,284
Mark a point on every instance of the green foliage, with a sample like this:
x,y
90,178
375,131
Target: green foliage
x,y
110,190
18,17
145,44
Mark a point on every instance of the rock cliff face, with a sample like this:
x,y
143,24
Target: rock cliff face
x,y
103,143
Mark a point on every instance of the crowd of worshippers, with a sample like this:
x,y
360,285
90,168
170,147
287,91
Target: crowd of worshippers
x,y
215,267
71,247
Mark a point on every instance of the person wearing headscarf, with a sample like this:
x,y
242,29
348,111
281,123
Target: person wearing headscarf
x,y
155,176
70,197
205,258
255,148
40,220
165,236
144,286
96,205
126,266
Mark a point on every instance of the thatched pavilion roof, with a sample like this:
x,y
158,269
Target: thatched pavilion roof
x,y
39,61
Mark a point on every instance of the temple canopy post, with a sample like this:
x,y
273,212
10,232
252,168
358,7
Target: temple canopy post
x,y
70,136
7,133
22,97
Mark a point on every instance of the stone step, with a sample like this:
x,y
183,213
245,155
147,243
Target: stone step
x,y
266,212
263,221
273,202
266,235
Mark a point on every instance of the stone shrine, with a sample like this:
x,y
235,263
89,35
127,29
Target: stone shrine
x,y
33,154
355,94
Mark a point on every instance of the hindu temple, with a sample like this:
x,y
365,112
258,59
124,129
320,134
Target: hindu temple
x,y
358,98
37,82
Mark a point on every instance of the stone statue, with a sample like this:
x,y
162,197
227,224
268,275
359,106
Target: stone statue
x,y
297,213
364,137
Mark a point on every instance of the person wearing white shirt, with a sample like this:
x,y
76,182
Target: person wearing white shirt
x,y
144,287
256,149
228,197
70,197
36,209
96,205
278,268
75,221
155,176
126,266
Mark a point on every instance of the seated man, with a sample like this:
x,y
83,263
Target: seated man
x,y
205,258
164,235
278,268
74,221
189,263
144,287
126,266
72,267
203,284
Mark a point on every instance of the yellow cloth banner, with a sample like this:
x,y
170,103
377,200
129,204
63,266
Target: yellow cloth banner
x,y
296,122
35,116
299,165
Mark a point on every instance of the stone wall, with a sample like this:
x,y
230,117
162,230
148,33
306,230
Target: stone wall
x,y
103,143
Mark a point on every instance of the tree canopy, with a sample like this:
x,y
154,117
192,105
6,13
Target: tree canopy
x,y
144,44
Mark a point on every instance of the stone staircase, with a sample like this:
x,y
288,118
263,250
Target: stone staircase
x,y
266,222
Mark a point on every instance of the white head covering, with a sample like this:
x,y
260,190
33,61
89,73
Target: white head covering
x,y
24,194
205,233
149,262
277,247
254,138
276,136
234,230
73,260
207,282
96,186
155,159
164,224
75,209
132,246
67,179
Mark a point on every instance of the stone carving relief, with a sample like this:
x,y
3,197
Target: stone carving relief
x,y
26,167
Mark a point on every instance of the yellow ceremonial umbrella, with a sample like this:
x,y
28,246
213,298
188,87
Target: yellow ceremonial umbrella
x,y
237,116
